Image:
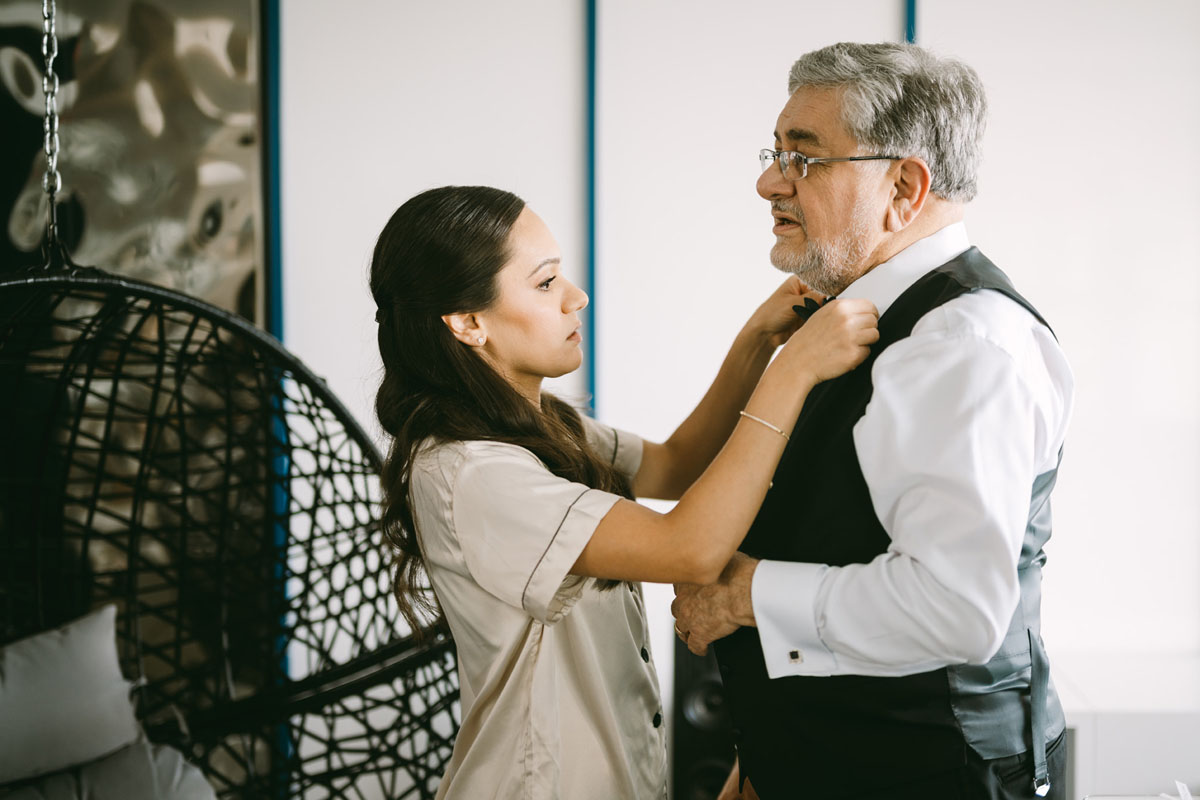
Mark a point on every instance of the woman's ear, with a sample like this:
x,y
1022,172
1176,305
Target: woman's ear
x,y
909,192
467,328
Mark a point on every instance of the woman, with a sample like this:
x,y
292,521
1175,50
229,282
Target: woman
x,y
520,511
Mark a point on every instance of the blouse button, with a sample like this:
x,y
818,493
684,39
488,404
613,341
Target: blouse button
x,y
657,719
645,655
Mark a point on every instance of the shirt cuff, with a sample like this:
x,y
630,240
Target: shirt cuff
x,y
549,594
784,595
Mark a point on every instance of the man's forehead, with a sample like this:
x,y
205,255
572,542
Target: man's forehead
x,y
811,118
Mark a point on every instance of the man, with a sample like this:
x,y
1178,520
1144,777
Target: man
x,y
893,572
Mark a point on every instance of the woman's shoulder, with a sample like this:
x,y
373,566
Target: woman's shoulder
x,y
441,460
450,478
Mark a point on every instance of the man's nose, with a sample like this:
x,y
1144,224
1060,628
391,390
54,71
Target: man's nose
x,y
771,184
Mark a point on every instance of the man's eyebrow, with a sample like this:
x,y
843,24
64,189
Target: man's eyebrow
x,y
543,264
800,135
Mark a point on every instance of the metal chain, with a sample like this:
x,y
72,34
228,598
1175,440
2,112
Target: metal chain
x,y
51,180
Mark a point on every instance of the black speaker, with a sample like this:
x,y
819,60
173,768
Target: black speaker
x,y
702,746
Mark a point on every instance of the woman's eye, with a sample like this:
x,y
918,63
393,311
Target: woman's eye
x,y
545,285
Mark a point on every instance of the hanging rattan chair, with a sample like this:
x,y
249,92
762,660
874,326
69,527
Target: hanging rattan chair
x,y
161,454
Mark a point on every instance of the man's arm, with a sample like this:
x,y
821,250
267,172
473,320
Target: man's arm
x,y
955,434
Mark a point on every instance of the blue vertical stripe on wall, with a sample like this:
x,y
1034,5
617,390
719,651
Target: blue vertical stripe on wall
x,y
910,21
589,265
270,123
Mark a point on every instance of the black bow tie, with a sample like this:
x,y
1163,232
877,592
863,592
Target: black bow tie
x,y
810,307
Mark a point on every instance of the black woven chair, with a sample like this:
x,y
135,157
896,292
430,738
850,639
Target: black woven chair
x,y
161,454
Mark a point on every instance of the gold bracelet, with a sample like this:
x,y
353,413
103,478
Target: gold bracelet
x,y
761,421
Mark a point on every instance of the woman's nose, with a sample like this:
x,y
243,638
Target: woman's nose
x,y
575,300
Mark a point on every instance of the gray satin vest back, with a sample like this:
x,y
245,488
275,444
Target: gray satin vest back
x,y
990,700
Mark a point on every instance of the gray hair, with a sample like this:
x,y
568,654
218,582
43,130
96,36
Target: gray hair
x,y
902,100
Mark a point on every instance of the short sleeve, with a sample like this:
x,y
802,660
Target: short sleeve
x,y
620,448
521,528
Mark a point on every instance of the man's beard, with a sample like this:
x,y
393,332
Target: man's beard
x,y
827,267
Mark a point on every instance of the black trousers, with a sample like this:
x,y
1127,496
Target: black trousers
x,y
1009,778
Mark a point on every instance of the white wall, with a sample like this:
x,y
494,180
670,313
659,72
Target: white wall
x,y
381,100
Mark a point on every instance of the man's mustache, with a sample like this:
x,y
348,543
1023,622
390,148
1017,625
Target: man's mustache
x,y
792,211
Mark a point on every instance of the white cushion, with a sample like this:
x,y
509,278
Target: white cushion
x,y
63,700
141,771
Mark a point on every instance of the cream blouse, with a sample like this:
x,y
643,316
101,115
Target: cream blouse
x,y
559,694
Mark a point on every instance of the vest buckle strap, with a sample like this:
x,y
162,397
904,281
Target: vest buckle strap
x,y
1039,680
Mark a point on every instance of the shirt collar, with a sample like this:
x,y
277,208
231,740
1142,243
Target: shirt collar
x,y
883,284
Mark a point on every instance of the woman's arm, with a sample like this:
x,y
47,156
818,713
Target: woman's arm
x,y
668,469
692,542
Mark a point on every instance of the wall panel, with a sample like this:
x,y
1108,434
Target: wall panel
x,y
382,100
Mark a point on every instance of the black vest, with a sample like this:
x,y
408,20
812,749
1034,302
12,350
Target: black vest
x,y
840,736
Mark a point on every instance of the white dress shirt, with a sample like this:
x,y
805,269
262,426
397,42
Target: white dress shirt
x,y
965,413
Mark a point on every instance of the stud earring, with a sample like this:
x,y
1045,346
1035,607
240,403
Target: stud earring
x,y
481,340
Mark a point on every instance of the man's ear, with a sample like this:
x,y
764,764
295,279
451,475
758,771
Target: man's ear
x,y
467,328
910,190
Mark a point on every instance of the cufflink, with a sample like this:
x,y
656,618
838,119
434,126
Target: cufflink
x,y
795,656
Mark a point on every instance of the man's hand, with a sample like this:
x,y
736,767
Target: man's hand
x,y
730,790
704,614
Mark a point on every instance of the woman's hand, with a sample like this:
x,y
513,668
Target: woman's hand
x,y
775,320
835,340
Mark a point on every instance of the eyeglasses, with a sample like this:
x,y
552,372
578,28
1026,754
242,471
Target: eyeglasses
x,y
794,166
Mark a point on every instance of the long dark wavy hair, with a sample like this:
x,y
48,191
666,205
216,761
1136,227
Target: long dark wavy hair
x,y
441,253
